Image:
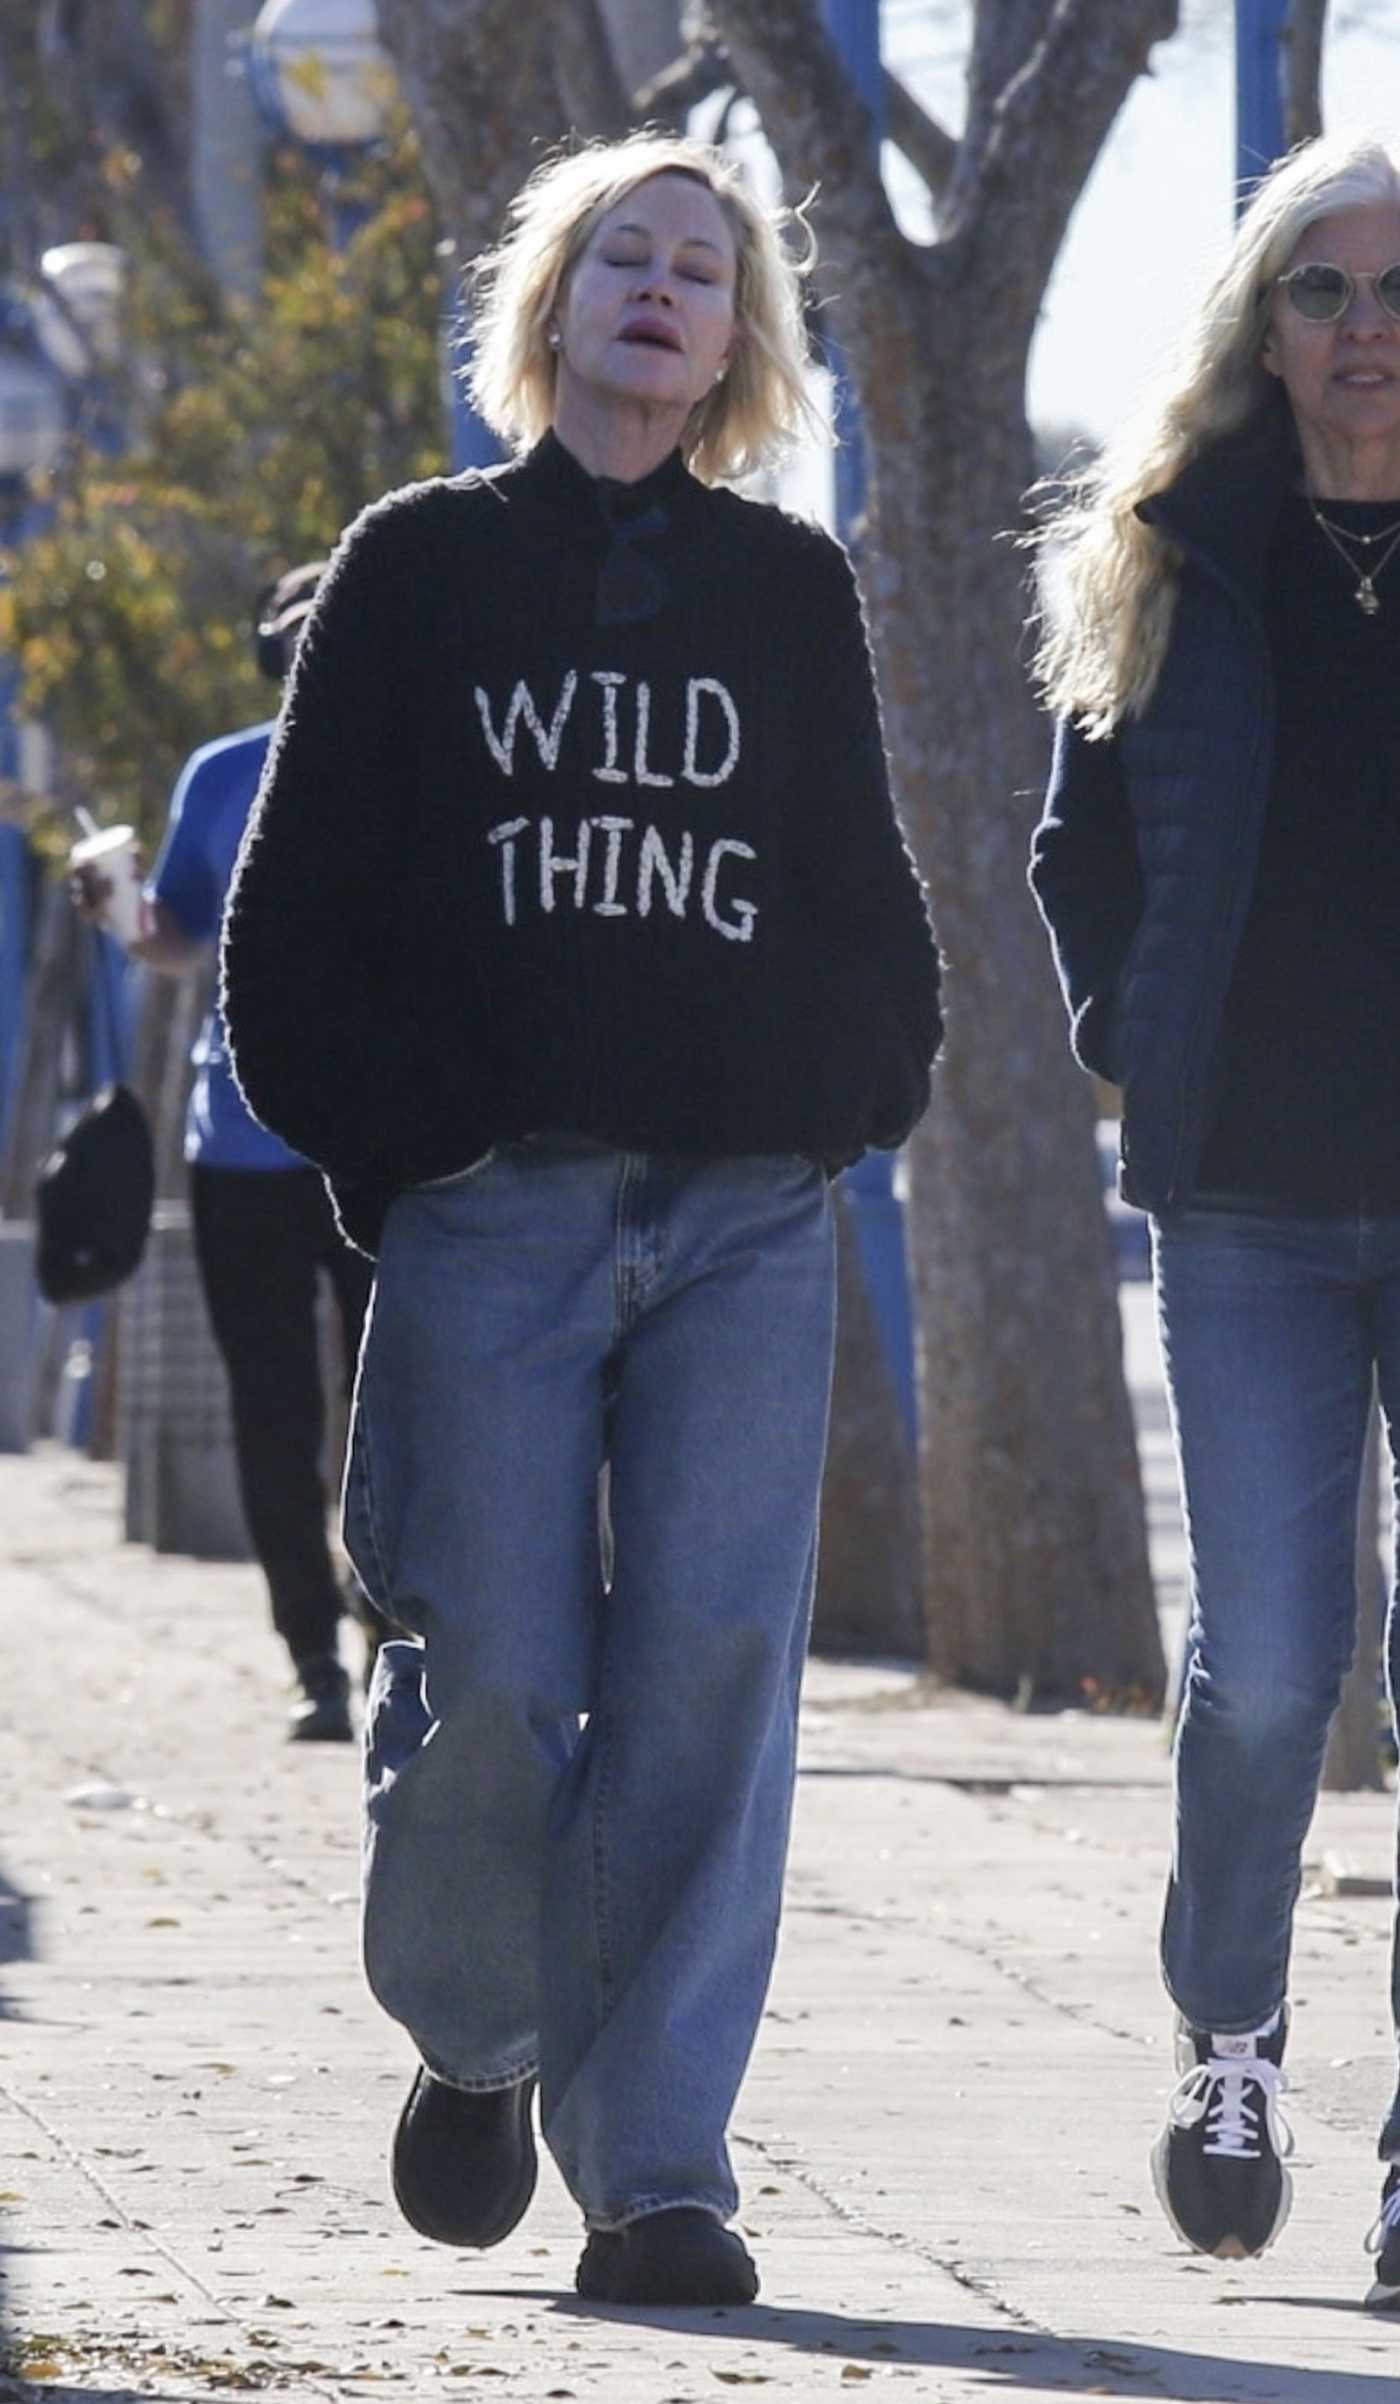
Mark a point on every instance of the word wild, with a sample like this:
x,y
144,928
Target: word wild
x,y
616,869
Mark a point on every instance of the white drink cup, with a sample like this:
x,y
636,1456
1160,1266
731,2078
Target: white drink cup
x,y
111,851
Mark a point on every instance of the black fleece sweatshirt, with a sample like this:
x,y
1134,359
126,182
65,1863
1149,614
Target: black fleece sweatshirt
x,y
577,819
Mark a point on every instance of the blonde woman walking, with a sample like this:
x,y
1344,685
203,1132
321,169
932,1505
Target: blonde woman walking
x,y
1219,867
576,939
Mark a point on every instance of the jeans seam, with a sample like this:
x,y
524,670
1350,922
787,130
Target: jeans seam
x,y
361,1457
497,2084
622,1278
600,1872
640,2207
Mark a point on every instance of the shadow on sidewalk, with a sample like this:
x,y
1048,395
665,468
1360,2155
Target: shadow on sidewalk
x,y
23,2392
1022,2358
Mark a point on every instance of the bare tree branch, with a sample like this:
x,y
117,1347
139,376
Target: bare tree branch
x,y
594,97
820,129
645,35
930,149
705,68
1004,35
1020,175
464,63
1300,69
700,70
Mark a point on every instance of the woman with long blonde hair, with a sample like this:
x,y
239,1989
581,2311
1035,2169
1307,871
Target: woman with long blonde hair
x,y
575,938
1218,864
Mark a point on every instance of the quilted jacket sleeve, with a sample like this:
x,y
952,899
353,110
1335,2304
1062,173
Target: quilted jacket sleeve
x,y
1086,879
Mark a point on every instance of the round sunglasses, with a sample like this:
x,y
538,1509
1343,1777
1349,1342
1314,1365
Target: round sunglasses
x,y
1323,293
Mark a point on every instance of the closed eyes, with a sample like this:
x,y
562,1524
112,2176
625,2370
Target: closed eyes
x,y
635,259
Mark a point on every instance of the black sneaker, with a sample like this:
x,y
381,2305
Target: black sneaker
x,y
320,1712
464,2164
1218,2164
1383,2241
683,2256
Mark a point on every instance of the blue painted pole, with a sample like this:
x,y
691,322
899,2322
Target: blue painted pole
x,y
16,917
1259,29
345,206
9,722
470,440
19,518
854,26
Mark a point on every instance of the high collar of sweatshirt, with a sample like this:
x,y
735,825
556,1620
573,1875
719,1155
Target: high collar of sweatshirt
x,y
1226,503
629,522
551,477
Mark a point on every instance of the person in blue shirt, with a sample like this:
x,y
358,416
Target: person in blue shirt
x,y
263,1226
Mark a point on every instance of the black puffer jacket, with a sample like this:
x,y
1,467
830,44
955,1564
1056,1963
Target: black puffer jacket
x,y
1144,860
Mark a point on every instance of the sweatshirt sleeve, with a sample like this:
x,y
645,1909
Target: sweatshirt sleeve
x,y
308,943
856,867
1087,882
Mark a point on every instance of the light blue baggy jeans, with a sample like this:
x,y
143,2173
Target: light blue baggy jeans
x,y
578,1799
1273,1330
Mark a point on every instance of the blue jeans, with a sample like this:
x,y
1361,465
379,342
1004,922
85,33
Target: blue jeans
x,y
1273,1331
578,1797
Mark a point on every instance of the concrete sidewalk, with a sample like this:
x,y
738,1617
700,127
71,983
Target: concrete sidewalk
x,y
942,2141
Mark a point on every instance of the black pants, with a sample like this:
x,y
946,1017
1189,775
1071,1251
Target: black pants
x,y
261,1237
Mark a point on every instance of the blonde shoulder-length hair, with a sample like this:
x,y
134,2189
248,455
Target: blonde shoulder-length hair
x,y
1109,582
762,404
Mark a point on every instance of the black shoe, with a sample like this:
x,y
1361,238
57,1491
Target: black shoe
x,y
679,2257
1384,2242
321,1711
463,2163
1218,2164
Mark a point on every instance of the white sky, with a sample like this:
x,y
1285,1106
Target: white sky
x,y
1157,211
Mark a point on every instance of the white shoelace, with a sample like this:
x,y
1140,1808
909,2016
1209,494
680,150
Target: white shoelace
x,y
1216,2091
1387,2219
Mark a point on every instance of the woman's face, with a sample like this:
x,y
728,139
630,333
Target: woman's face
x,y
1343,378
648,313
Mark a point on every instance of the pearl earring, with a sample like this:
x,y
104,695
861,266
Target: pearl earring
x,y
555,338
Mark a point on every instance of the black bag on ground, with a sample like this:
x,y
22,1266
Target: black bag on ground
x,y
94,1198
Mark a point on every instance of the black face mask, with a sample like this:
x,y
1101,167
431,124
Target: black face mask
x,y
631,587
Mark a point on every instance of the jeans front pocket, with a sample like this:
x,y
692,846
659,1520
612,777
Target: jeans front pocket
x,y
439,1185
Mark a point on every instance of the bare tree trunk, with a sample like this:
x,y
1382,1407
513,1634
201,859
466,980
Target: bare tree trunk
x,y
1300,66
645,37
594,97
1037,1575
1037,1580
868,1574
227,142
479,76
1353,1758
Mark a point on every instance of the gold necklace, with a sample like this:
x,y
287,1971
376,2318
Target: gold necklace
x,y
1365,596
